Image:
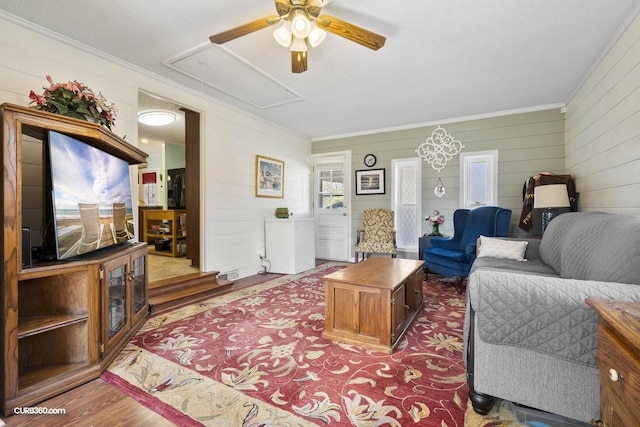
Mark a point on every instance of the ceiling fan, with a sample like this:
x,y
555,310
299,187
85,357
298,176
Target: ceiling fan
x,y
303,25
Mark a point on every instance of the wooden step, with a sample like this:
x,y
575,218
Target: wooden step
x,y
169,293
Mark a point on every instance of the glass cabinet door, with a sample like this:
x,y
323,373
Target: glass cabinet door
x,y
124,290
117,308
138,280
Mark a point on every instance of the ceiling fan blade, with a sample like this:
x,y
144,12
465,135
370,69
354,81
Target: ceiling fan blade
x,y
245,29
298,61
351,32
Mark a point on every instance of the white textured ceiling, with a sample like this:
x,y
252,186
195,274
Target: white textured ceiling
x,y
443,58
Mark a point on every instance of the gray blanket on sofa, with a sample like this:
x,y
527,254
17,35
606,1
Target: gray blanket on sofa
x,y
539,304
543,313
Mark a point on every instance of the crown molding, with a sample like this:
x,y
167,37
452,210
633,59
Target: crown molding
x,y
482,116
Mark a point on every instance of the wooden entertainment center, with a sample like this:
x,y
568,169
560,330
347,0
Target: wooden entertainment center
x,y
63,321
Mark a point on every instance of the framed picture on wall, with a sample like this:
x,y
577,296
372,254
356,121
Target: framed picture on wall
x,y
269,177
370,181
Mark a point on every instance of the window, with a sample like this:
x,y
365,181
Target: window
x,y
149,188
478,179
406,201
331,186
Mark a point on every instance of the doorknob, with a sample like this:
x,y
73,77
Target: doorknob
x,y
344,214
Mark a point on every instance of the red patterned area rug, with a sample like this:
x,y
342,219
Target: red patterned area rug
x,y
254,357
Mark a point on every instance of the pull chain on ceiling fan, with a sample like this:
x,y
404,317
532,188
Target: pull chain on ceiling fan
x,y
302,26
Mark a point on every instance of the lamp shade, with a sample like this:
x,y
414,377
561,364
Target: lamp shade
x,y
317,35
300,25
551,196
283,34
298,45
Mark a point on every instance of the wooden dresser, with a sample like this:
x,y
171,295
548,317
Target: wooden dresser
x,y
619,361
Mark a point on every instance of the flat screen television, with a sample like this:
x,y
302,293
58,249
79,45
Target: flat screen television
x,y
91,197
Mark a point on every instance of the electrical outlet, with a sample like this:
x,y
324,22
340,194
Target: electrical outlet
x,y
261,253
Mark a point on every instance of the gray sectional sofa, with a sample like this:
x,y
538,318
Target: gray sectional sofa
x,y
529,336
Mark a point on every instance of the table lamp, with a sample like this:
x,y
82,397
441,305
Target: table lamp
x,y
547,197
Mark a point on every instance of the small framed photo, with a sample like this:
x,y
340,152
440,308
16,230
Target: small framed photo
x,y
269,177
370,181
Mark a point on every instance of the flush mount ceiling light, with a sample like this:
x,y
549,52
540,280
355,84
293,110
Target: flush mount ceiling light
x,y
302,24
156,118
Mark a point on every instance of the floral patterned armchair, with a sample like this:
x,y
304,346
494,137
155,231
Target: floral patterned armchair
x,y
377,235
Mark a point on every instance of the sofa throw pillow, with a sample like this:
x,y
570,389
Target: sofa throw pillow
x,y
501,248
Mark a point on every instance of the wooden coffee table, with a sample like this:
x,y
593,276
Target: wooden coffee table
x,y
372,303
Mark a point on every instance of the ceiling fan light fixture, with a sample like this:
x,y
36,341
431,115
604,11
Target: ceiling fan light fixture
x,y
156,118
298,45
283,34
303,25
300,25
317,35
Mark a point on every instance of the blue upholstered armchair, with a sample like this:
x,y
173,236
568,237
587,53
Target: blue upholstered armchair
x,y
453,257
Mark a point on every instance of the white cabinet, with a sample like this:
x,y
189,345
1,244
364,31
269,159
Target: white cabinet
x,y
290,245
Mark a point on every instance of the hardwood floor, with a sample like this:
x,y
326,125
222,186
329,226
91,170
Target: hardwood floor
x,y
99,404
173,281
163,267
93,404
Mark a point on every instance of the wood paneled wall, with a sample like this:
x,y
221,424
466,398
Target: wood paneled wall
x,y
232,218
603,130
528,143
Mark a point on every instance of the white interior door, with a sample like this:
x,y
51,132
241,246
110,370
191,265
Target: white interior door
x,y
331,206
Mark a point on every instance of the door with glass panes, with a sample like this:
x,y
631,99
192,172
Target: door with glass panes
x,y
332,172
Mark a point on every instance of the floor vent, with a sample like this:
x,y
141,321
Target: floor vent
x,y
229,275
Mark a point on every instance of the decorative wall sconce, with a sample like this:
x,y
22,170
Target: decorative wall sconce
x,y
438,150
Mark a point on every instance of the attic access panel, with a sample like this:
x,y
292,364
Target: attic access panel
x,y
223,70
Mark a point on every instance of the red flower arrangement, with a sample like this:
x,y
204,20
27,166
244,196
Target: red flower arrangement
x,y
74,99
